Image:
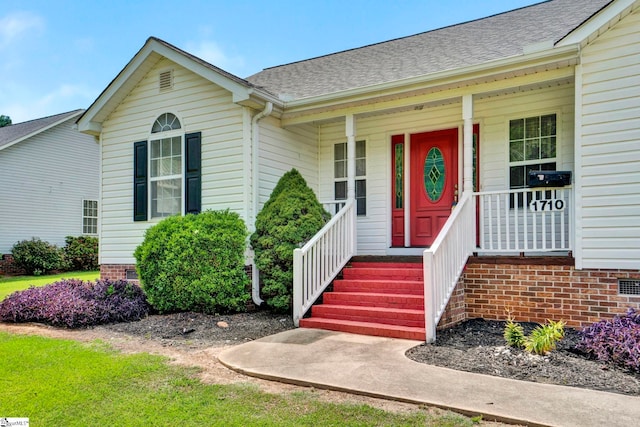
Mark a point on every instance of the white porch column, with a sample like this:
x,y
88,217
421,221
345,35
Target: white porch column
x,y
350,129
467,117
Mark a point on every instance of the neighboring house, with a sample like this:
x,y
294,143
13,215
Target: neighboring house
x,y
50,177
432,136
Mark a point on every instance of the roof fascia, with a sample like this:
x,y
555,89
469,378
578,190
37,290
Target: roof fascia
x,y
240,93
597,22
34,133
515,62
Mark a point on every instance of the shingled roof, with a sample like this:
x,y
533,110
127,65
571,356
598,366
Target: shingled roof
x,y
15,133
455,47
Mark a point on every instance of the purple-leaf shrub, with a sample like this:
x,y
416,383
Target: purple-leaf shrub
x,y
74,303
615,341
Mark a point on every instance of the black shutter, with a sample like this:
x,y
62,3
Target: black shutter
x,y
192,178
140,193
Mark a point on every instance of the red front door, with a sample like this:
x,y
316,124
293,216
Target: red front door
x,y
434,176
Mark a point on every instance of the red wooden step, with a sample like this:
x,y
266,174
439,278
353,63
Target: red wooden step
x,y
400,265
379,286
389,316
365,328
383,273
371,299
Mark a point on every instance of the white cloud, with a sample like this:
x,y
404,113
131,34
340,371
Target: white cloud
x,y
65,98
15,25
211,52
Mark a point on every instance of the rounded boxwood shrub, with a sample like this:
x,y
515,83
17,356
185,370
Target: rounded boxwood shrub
x,y
37,257
195,263
81,253
74,303
290,217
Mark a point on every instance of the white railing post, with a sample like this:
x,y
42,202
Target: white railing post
x,y
297,286
429,297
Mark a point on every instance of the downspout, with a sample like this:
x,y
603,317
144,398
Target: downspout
x,y
255,174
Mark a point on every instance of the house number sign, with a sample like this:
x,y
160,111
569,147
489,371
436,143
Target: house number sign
x,y
549,205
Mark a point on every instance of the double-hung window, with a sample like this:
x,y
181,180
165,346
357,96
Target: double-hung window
x,y
167,171
340,174
90,217
532,146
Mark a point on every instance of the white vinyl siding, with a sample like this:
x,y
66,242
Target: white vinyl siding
x,y
284,149
44,180
610,150
201,107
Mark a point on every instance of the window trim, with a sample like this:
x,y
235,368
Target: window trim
x,y
180,176
96,217
357,178
524,163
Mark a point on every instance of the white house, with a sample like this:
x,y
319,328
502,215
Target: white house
x,y
430,138
50,181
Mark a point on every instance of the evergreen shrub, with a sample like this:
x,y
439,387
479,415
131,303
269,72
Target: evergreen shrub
x,y
37,257
81,253
290,217
195,263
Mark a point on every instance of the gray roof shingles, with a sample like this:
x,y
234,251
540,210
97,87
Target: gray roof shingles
x,y
458,46
14,132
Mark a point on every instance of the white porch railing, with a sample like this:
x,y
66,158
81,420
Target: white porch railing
x,y
444,261
318,262
525,220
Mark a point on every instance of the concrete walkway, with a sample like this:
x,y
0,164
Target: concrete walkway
x,y
377,367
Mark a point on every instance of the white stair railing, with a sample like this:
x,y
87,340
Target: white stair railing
x,y
445,260
318,262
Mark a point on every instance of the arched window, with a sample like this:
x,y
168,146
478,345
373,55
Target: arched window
x,y
165,165
165,122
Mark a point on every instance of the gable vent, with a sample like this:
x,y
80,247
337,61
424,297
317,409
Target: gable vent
x,y
628,287
166,80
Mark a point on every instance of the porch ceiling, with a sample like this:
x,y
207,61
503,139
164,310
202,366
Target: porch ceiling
x,y
436,92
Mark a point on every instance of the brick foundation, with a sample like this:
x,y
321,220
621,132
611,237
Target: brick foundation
x,y
534,290
116,271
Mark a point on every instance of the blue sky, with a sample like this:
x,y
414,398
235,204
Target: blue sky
x,y
57,55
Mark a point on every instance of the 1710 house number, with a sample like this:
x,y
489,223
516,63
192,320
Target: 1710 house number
x,y
549,205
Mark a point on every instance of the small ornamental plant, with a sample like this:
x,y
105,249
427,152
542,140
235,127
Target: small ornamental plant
x,y
75,303
540,341
615,341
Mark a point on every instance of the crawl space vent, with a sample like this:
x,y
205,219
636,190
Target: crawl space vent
x,y
628,287
166,80
131,274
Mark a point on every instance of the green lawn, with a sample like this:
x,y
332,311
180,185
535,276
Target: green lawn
x,y
9,285
61,382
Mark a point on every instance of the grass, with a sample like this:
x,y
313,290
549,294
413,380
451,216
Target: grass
x,y
10,284
61,382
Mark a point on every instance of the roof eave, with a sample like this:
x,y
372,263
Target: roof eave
x,y
244,94
36,132
458,74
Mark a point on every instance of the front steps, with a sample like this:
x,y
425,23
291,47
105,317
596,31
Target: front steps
x,y
374,298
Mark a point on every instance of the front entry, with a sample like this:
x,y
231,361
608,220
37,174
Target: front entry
x,y
434,188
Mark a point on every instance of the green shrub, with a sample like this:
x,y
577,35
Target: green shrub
x,y
290,217
514,334
81,253
195,263
37,257
544,337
